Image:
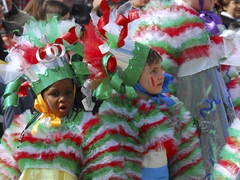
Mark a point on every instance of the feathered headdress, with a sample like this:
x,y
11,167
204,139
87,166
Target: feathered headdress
x,y
121,60
46,53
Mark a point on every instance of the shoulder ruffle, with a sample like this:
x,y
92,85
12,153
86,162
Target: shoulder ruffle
x,y
8,165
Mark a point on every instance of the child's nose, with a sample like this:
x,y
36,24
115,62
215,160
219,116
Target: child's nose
x,y
63,98
161,74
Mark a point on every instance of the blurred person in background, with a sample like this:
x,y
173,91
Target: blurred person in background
x,y
229,11
35,9
16,15
79,11
56,7
21,4
8,29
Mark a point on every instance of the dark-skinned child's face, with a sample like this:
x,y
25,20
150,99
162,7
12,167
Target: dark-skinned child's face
x,y
59,97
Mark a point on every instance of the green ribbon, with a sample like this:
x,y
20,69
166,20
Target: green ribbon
x,y
112,40
80,69
113,82
10,95
76,47
104,90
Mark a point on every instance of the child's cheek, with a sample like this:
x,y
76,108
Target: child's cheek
x,y
49,105
151,81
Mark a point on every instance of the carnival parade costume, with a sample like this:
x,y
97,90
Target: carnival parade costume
x,y
41,145
191,51
228,166
138,127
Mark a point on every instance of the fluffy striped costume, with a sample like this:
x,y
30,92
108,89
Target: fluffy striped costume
x,y
228,167
55,148
188,51
138,126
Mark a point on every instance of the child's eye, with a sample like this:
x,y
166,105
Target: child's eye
x,y
69,92
55,94
153,71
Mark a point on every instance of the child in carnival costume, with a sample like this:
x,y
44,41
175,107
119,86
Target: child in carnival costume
x,y
186,34
152,134
49,143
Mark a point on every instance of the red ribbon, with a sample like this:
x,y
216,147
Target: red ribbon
x,y
70,37
22,92
104,19
123,21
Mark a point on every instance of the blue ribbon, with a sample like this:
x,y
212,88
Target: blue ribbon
x,y
211,19
158,97
210,102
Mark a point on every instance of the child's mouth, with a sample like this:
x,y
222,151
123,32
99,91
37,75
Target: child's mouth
x,y
62,108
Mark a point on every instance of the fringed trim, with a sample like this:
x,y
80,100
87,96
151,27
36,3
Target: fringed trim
x,y
64,151
228,166
55,138
87,121
113,146
8,165
118,127
110,175
108,161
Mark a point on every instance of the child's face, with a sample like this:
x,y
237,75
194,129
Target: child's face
x,y
60,97
208,5
152,78
139,3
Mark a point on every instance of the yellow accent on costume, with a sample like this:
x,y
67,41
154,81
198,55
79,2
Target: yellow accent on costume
x,y
45,174
2,62
41,106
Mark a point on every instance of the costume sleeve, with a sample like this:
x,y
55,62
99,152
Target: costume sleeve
x,y
228,167
111,150
8,166
187,162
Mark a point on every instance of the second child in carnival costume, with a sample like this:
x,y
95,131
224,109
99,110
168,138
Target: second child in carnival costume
x,y
49,143
227,168
152,135
186,34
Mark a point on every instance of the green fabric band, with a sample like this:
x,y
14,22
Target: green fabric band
x,y
51,76
136,64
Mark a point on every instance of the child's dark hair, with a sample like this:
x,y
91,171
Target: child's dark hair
x,y
153,57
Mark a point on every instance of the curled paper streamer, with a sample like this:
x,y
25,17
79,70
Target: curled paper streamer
x,y
50,52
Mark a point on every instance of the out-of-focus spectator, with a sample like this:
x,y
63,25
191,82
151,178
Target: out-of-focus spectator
x,y
234,25
229,11
56,7
16,15
78,11
34,8
21,4
139,3
8,29
96,3
89,3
